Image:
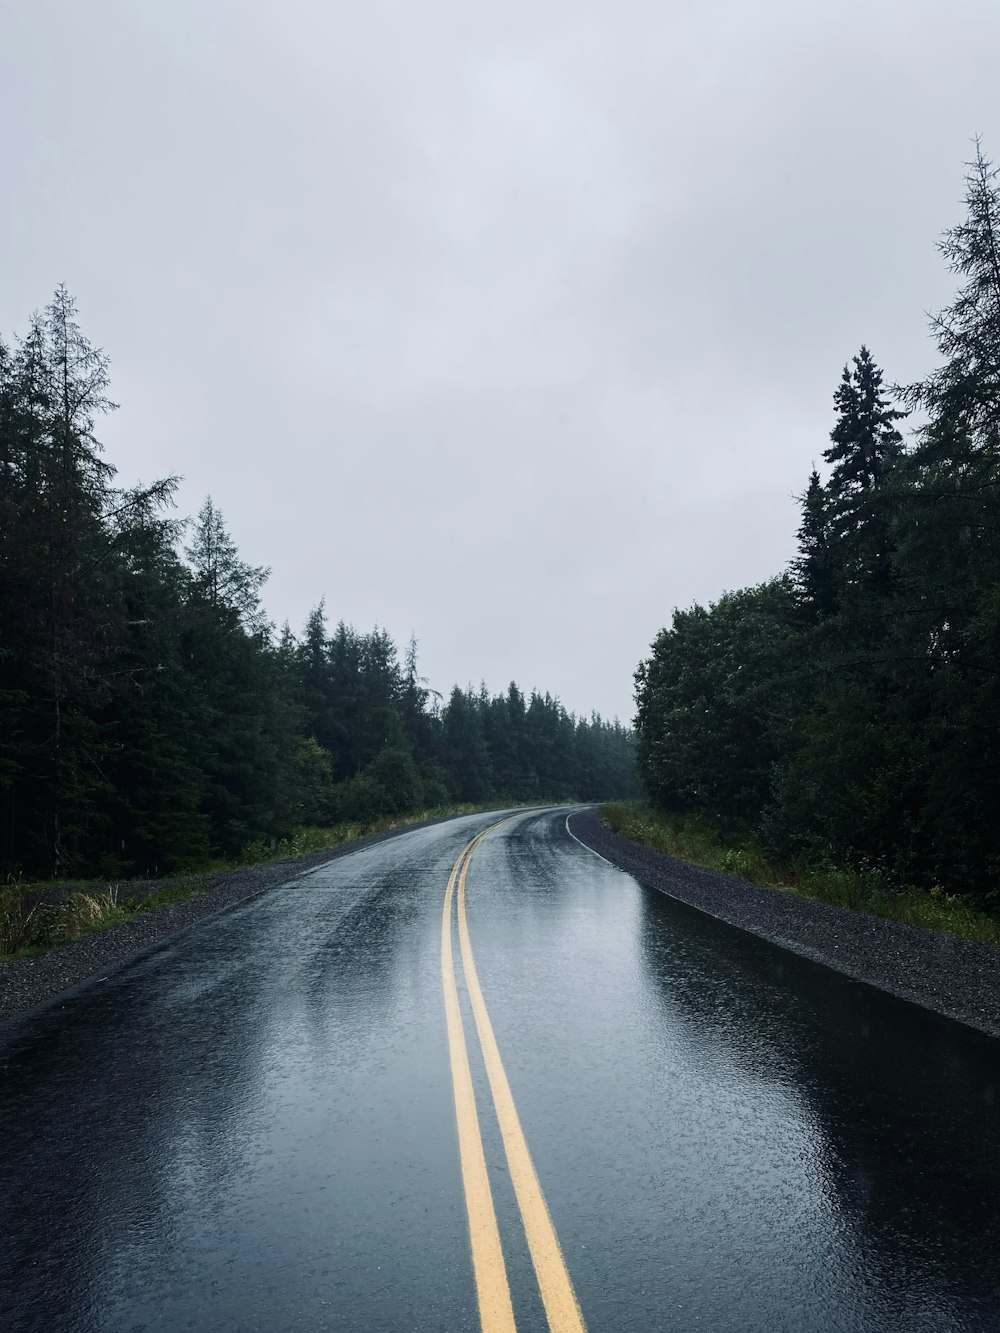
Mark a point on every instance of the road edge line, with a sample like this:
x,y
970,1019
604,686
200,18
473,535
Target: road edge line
x,y
590,849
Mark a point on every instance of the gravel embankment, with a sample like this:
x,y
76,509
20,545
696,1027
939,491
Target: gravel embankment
x,y
26,982
955,977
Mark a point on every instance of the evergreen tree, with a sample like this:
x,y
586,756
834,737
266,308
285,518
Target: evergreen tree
x,y
56,488
67,538
467,755
148,718
221,578
316,686
865,448
877,707
962,397
814,569
865,442
235,692
713,703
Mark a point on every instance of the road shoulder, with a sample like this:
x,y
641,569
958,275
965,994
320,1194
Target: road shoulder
x,y
26,983
955,977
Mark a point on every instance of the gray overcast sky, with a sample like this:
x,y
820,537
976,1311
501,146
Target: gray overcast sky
x,y
513,325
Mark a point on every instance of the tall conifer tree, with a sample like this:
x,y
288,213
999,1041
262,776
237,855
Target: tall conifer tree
x,y
865,448
962,397
814,567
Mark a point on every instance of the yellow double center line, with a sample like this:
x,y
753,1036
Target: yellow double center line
x,y
492,1287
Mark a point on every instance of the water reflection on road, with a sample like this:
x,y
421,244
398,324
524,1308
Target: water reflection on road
x,y
887,1111
737,1138
253,1129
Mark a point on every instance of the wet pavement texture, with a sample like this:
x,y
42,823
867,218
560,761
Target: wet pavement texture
x,y
253,1128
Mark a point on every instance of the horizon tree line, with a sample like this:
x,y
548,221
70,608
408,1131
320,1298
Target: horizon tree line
x,y
152,719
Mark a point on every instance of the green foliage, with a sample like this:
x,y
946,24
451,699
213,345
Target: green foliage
x,y
814,570
36,917
23,919
848,714
963,393
395,773
711,702
708,845
314,791
865,443
151,721
305,841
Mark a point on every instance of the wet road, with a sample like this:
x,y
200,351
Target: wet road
x,y
255,1127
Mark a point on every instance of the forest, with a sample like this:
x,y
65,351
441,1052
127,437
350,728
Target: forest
x,y
847,711
153,719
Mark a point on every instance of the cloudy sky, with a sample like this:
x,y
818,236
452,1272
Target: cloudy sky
x,y
512,325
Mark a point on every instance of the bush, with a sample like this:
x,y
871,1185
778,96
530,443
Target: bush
x,y
396,775
359,800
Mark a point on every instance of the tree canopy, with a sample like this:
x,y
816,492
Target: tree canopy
x,y
150,715
848,711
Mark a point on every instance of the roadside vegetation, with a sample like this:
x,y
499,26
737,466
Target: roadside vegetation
x,y
846,713
698,841
35,917
153,720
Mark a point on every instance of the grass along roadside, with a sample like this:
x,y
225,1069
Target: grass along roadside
x,y
304,841
707,845
35,917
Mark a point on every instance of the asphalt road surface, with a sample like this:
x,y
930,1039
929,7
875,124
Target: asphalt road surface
x,y
416,1090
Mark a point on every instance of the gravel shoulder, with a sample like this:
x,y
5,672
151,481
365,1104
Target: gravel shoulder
x,y
27,982
956,977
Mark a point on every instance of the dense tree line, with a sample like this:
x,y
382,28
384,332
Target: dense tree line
x,y
848,711
150,718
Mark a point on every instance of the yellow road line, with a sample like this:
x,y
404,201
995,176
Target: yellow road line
x,y
496,1314
554,1283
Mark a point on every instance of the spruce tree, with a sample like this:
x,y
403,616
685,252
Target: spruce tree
x,y
57,491
147,719
235,695
225,581
865,442
813,569
865,448
963,394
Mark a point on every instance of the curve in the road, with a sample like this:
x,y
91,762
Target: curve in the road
x,y
254,1127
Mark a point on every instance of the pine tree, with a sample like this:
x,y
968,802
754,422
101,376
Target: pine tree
x,y
315,680
865,442
221,577
57,491
813,569
157,817
470,769
963,394
235,694
950,554
865,448
149,721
